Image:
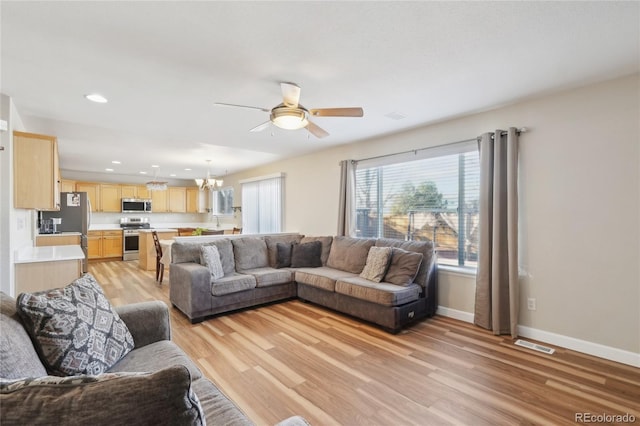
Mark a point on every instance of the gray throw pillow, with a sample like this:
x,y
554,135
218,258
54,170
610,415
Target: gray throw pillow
x,y
210,257
404,267
75,329
163,397
377,263
283,257
307,255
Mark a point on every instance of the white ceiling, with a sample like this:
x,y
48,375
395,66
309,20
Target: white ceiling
x,y
163,65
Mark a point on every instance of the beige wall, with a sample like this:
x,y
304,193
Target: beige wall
x,y
579,206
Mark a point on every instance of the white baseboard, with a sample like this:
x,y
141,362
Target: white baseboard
x,y
455,314
595,349
590,348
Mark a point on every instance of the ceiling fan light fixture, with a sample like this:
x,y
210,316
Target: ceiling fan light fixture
x,y
289,118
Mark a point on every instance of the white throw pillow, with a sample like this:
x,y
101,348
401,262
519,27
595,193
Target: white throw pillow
x,y
210,257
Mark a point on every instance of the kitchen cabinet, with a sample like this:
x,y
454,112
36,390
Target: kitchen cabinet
x,y
177,199
43,268
58,240
104,244
110,198
197,200
159,202
135,191
36,174
67,185
93,192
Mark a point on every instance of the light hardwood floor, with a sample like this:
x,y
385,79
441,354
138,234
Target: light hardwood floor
x,y
297,358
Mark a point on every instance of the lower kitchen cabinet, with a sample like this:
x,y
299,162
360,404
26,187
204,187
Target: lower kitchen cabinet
x,y
104,245
147,260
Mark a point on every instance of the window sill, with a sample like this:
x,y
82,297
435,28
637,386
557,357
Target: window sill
x,y
458,270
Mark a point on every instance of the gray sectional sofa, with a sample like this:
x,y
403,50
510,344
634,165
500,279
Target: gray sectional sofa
x,y
252,277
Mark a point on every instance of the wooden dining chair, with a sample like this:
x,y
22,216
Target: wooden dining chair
x,y
213,232
236,230
159,264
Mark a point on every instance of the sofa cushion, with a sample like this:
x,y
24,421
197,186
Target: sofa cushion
x,y
326,246
250,253
232,284
283,256
349,254
164,397
323,277
154,357
270,276
217,407
18,357
272,242
404,267
424,247
210,257
75,329
380,293
306,255
377,263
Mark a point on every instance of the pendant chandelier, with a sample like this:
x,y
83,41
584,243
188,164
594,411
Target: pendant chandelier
x,y
209,182
155,184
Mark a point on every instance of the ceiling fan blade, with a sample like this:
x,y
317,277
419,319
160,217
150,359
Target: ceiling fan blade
x,y
290,94
337,112
316,131
261,127
241,106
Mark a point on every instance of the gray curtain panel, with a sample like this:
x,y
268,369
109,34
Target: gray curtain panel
x,y
497,299
346,206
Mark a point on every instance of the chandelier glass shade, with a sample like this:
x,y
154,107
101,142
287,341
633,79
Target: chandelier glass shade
x,y
209,182
155,184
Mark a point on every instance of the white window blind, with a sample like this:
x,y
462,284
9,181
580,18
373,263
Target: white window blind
x,y
262,205
430,194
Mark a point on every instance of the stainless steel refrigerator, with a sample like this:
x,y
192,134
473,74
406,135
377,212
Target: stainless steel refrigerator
x,y
75,215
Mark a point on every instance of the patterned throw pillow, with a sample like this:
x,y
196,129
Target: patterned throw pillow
x,y
378,261
210,257
75,329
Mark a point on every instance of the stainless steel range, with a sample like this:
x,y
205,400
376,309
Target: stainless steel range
x,y
131,227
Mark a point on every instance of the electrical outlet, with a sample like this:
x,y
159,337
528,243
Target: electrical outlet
x,y
531,304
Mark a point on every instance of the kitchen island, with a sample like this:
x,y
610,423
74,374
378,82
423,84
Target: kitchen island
x,y
44,268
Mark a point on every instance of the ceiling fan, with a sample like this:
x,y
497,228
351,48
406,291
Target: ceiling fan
x,y
291,115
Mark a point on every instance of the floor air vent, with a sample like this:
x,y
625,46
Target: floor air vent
x,y
534,346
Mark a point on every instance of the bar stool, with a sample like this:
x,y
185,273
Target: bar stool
x,y
159,264
236,230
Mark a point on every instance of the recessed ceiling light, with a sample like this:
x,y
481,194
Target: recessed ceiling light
x,y
187,170
143,173
115,162
109,170
172,175
155,166
96,97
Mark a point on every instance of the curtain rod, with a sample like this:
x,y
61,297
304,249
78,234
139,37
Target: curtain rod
x,y
504,132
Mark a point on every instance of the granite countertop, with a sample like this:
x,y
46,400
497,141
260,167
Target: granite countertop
x,y
48,254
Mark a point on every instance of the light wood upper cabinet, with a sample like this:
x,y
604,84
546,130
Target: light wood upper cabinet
x,y
93,192
192,200
111,198
159,202
177,199
143,192
36,174
67,185
129,191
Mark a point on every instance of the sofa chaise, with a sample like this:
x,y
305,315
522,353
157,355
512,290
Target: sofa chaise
x,y
403,291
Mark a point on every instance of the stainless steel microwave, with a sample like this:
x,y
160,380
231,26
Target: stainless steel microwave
x,y
136,205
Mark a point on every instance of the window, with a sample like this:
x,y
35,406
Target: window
x,y
222,201
262,210
430,194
